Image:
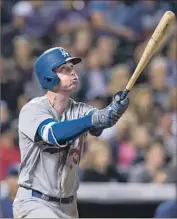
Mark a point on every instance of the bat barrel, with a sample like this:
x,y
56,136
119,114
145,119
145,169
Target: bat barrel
x,y
160,32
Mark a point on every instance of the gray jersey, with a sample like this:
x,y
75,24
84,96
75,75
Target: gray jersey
x,y
47,168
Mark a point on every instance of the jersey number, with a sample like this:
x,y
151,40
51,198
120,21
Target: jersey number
x,y
75,154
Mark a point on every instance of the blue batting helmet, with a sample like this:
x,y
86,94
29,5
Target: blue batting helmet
x,y
48,61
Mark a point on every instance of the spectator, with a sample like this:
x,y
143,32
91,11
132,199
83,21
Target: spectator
x,y
6,202
94,80
171,63
153,169
119,138
9,151
4,112
125,152
21,67
0,212
10,84
144,17
173,108
40,22
165,130
142,103
100,169
158,80
105,23
23,59
107,48
140,138
82,41
119,78
20,12
167,209
6,15
73,16
171,175
32,89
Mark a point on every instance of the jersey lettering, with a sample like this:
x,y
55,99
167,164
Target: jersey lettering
x,y
75,153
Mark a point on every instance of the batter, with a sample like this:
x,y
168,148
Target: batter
x,y
52,130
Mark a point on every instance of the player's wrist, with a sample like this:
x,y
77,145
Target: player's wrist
x,y
102,118
93,115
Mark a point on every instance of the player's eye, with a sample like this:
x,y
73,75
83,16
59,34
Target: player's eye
x,y
70,67
66,69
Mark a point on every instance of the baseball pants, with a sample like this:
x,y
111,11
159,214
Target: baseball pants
x,y
26,206
167,209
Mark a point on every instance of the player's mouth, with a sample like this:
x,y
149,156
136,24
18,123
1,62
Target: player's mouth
x,y
75,79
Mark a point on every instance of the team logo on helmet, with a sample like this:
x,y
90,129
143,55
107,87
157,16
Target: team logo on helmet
x,y
64,53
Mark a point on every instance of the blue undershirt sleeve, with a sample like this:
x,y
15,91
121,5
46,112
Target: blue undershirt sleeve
x,y
58,133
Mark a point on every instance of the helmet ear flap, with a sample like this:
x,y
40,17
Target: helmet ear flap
x,y
50,82
48,78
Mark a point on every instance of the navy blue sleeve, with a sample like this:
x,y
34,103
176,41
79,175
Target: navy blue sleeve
x,y
58,133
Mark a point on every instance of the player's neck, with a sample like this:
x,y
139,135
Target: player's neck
x,y
59,101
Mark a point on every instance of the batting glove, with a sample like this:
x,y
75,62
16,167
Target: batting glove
x,y
108,116
119,103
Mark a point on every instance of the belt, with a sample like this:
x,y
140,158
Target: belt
x,y
38,194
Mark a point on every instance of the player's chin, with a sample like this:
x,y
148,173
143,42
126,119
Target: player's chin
x,y
73,86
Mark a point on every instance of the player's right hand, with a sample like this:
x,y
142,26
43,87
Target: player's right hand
x,y
108,116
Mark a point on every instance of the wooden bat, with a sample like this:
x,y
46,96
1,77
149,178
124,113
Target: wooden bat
x,y
152,46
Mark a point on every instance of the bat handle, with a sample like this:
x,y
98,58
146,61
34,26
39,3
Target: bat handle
x,y
124,94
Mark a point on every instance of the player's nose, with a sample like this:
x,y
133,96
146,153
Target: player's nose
x,y
73,72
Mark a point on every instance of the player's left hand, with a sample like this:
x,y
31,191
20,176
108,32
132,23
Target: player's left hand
x,y
119,103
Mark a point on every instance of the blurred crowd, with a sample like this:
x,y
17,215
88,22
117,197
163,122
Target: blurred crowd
x,y
110,36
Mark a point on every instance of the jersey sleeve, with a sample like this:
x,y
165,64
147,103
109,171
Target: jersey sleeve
x,y
30,118
87,109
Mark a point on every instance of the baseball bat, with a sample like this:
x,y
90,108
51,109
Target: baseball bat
x,y
151,48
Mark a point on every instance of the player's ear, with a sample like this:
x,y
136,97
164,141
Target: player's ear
x,y
56,69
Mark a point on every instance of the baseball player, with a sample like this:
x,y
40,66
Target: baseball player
x,y
52,129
